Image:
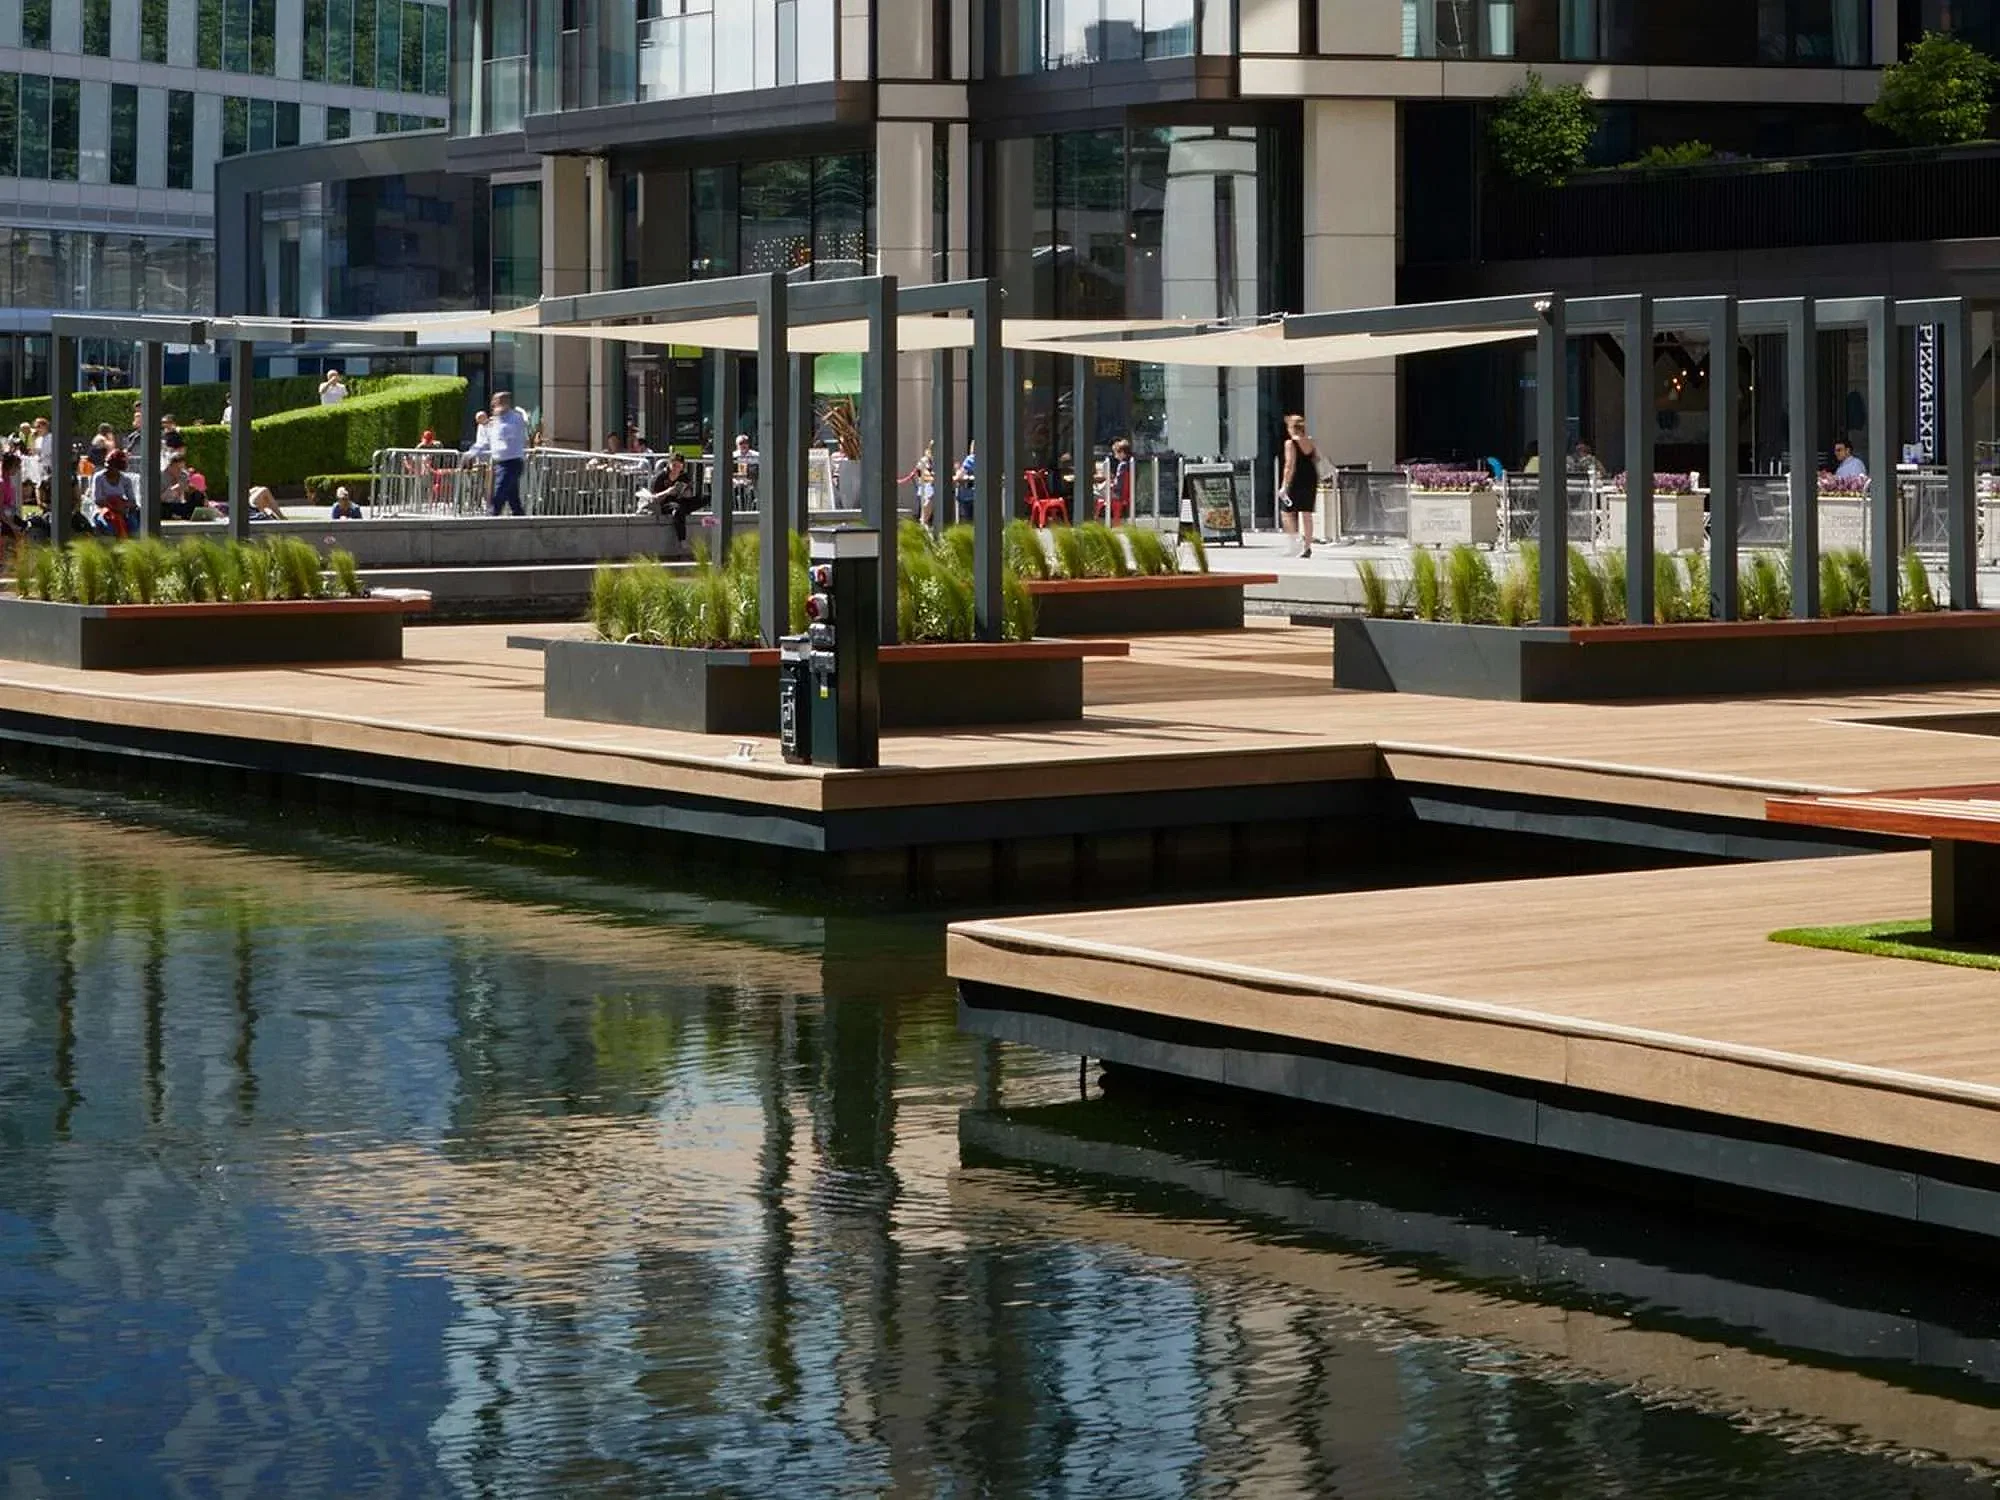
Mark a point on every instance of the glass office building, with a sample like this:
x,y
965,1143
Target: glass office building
x,y
114,113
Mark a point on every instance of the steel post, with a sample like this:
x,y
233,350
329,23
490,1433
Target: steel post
x,y
1801,396
62,435
1885,520
722,483
800,438
776,481
989,504
242,412
1552,423
1083,435
1638,337
1723,417
879,441
152,363
1962,508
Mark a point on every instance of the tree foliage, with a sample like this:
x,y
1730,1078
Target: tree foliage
x,y
1939,95
1539,134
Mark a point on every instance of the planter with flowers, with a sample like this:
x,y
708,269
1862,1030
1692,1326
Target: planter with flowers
x,y
1448,507
1680,513
1843,512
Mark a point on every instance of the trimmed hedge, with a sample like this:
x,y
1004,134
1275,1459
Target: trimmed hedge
x,y
320,488
291,447
192,405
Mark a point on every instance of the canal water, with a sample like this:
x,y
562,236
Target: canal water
x,y
341,1163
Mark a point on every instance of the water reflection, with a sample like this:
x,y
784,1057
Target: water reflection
x,y
396,1171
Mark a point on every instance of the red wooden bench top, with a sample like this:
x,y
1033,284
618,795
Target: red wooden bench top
x,y
1970,814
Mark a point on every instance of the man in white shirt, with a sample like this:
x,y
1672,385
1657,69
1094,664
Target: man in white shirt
x,y
332,391
1847,463
506,440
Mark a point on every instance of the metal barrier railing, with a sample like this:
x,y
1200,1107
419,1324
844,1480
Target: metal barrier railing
x,y
1371,505
566,482
428,482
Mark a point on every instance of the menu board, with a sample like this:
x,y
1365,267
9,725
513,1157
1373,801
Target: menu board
x,y
1216,490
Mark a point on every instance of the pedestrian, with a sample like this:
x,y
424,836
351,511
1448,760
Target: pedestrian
x,y
671,494
333,390
1117,491
923,475
507,446
111,504
1298,491
963,480
13,526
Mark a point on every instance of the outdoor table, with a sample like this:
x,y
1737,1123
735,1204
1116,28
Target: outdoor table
x,y
1963,825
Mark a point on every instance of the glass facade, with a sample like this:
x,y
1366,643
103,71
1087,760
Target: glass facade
x,y
1158,221
1033,36
373,245
64,270
1696,33
402,45
810,217
516,281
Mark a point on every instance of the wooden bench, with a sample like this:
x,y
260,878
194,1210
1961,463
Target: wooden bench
x,y
1963,825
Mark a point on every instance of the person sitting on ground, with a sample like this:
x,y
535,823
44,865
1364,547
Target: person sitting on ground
x,y
111,504
172,440
176,499
671,494
344,508
332,390
135,436
103,445
13,525
264,505
199,508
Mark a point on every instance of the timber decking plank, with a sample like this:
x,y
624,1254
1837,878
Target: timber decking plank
x,y
1660,986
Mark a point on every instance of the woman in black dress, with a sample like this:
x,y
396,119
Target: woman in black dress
x,y
1298,492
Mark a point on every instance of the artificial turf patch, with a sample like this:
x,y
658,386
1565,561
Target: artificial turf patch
x,y
1892,940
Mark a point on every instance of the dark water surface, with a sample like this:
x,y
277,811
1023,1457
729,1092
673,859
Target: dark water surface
x,y
336,1167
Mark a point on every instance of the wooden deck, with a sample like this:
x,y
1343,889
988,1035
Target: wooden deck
x,y
1197,714
1660,989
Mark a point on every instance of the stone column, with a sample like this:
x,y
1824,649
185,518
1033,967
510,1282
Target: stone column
x,y
1350,261
607,254
566,271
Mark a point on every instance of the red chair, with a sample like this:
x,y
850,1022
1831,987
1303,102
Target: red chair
x,y
1120,500
1044,503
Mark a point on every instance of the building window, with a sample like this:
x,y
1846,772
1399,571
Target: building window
x,y
338,123
208,35
10,124
235,126
1814,33
153,31
1032,36
288,123
236,36
437,51
125,134
388,44
64,115
505,67
180,139
97,28
363,50
264,37
34,127
339,41
35,23
1458,28
263,125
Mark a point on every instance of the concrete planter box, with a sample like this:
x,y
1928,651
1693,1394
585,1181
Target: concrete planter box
x,y
1679,522
1445,518
1843,523
735,691
1581,664
1163,605
124,637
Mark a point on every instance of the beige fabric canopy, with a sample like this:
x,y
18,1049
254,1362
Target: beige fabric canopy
x,y
1140,341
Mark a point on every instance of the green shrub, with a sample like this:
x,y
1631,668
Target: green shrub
x,y
1025,553
1917,597
1426,598
346,574
94,574
961,546
1149,554
1680,154
1102,551
1070,561
1938,95
1200,548
1587,602
1844,585
1701,598
321,488
191,405
289,447
144,566
1766,592
199,570
1539,135
1610,568
1374,589
1469,582
1670,600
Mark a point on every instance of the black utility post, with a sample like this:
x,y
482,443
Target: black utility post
x,y
800,439
1725,594
990,506
1961,509
1638,340
62,425
880,398
944,452
1885,520
242,411
1802,393
1552,422
775,479
722,484
1010,431
152,363
1083,435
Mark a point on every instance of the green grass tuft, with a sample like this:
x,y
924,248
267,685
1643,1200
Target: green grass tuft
x,y
1917,597
1907,940
1426,594
1469,581
1374,589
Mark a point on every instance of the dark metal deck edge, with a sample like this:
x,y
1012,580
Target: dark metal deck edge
x,y
1824,1171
